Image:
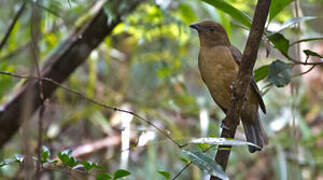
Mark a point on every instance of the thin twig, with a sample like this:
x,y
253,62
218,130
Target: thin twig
x,y
35,36
39,148
182,170
49,10
305,40
305,72
295,87
94,102
301,62
12,25
188,164
298,62
304,63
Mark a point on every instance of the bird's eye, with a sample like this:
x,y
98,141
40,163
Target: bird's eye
x,y
212,29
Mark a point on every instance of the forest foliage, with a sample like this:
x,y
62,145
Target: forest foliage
x,y
134,106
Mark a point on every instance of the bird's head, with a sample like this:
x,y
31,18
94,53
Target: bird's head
x,y
211,33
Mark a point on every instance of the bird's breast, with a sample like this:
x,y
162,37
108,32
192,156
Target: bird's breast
x,y
218,70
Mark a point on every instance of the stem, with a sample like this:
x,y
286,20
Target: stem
x,y
243,80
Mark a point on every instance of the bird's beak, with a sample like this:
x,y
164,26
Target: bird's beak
x,y
194,26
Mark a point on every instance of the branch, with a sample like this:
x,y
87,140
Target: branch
x,y
93,101
305,72
299,62
305,40
59,65
182,170
12,24
35,33
307,63
96,146
244,76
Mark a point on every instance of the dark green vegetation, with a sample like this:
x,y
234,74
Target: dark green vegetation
x,y
142,58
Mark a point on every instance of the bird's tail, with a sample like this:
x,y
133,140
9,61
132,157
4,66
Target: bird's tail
x,y
254,132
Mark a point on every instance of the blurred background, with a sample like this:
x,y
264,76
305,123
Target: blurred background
x,y
149,66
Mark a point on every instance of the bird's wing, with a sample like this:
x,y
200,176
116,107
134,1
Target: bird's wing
x,y
237,57
216,102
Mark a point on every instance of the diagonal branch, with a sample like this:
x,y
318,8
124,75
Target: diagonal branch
x,y
243,80
60,64
12,25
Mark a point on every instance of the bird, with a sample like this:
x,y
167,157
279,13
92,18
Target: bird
x,y
218,63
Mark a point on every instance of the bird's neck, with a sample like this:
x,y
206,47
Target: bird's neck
x,y
218,42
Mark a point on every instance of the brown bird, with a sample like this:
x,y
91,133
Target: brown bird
x,y
218,63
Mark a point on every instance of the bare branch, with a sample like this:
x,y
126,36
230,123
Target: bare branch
x,y
96,146
243,80
12,25
182,170
298,62
35,30
305,72
305,40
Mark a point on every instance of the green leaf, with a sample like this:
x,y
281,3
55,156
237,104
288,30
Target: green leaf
x,y
276,7
226,23
5,81
221,141
88,165
204,146
110,12
187,14
280,42
8,161
261,73
67,158
311,53
294,21
231,11
53,162
45,153
184,159
165,174
103,176
205,163
78,166
3,163
305,129
69,3
120,173
68,152
279,73
19,158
